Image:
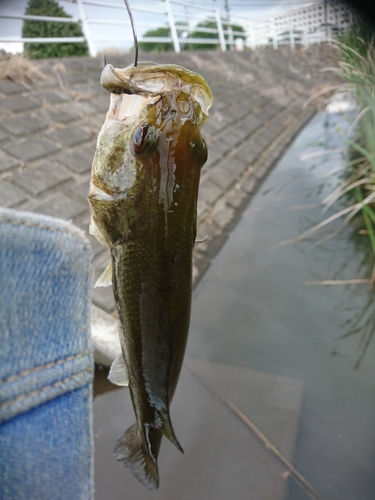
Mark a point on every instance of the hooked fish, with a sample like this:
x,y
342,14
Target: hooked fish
x,y
143,199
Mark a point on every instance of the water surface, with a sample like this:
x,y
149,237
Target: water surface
x,y
254,309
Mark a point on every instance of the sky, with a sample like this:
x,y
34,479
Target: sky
x,y
253,9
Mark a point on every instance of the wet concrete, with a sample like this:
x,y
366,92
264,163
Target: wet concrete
x,y
253,309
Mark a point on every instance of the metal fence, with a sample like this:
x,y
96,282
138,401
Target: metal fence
x,y
180,19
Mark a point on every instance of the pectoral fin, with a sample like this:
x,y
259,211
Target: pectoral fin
x,y
95,231
105,279
118,374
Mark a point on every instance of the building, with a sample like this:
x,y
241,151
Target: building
x,y
310,24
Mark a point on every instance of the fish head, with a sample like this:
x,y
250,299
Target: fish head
x,y
149,146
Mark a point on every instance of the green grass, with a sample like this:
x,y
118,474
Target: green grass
x,y
357,67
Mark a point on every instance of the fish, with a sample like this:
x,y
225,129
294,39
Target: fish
x,y
143,200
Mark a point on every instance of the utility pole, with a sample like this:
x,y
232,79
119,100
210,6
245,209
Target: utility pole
x,y
326,17
325,11
226,8
229,27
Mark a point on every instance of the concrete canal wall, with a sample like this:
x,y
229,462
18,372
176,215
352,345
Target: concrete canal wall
x,y
48,131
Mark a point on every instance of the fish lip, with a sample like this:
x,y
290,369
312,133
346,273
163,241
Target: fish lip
x,y
111,81
116,83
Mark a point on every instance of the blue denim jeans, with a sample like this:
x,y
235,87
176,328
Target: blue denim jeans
x,y
46,361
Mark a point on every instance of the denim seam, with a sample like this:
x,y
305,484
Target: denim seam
x,y
39,368
46,388
45,228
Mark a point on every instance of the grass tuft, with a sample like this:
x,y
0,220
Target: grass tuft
x,y
18,69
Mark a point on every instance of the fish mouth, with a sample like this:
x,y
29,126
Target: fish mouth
x,y
127,105
150,80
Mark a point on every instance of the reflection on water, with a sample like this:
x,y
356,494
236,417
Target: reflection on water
x,y
362,327
254,309
358,299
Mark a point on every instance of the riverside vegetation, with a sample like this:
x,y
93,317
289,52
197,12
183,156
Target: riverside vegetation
x,y
356,67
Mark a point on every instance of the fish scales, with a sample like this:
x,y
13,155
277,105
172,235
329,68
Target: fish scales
x,y
143,199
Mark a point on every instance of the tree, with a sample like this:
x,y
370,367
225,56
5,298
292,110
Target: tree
x,y
160,46
156,46
166,32
210,23
43,29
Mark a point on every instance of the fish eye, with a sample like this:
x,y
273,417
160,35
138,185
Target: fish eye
x,y
145,139
139,138
204,151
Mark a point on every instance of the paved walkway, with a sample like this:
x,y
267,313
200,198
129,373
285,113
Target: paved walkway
x,y
48,133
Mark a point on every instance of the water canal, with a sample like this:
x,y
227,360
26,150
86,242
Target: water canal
x,y
253,310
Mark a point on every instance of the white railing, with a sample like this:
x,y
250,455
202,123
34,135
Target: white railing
x,y
181,18
176,20
167,16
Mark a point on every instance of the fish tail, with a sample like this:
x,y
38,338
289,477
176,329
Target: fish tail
x,y
141,462
167,429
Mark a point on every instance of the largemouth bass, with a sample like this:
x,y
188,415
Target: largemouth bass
x,y
143,199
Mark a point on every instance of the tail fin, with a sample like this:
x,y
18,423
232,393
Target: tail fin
x,y
130,450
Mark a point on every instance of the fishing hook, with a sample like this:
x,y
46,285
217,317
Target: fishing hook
x,y
134,33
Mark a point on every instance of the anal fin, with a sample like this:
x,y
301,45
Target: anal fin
x,y
118,374
167,429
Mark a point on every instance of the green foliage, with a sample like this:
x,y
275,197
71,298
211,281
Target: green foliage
x,y
357,67
210,23
161,46
42,29
156,46
358,38
166,32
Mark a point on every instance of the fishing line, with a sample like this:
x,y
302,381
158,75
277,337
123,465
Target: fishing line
x,y
134,33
